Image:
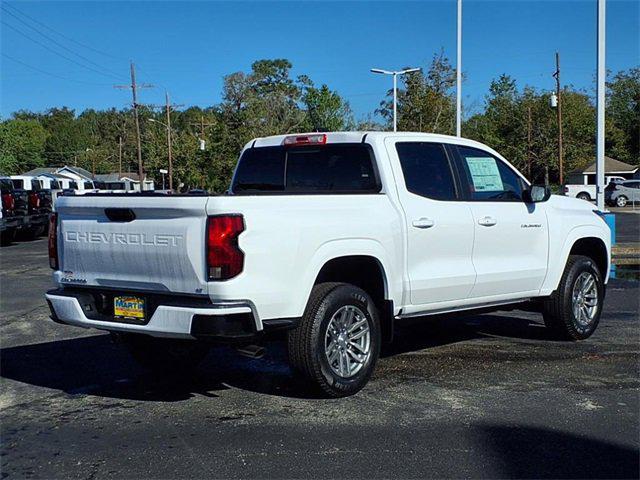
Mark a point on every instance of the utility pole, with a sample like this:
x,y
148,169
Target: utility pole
x,y
134,92
119,157
202,124
167,107
556,75
529,141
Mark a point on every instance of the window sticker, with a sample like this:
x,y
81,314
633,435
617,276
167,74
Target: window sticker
x,y
485,174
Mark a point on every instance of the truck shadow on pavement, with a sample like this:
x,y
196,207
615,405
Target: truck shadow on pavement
x,y
94,365
532,452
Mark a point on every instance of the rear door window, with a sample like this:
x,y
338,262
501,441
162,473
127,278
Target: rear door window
x,y
426,170
339,168
17,183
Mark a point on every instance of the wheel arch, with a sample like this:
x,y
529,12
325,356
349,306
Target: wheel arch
x,y
585,240
363,263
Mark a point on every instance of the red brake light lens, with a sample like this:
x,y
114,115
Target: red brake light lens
x,y
8,202
34,200
224,258
53,241
315,139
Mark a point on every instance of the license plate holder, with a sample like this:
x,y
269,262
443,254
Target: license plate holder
x,y
129,308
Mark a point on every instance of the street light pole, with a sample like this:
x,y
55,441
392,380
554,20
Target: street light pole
x,y
395,101
395,88
459,74
600,105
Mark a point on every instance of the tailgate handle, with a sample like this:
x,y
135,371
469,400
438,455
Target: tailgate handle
x,y
120,214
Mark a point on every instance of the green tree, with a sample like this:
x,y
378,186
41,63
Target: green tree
x,y
325,109
22,144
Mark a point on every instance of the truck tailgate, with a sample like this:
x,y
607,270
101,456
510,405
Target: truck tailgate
x,y
133,243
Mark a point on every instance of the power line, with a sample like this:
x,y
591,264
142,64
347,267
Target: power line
x,y
46,47
61,77
61,34
55,42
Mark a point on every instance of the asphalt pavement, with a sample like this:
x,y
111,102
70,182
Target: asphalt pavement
x,y
486,396
627,224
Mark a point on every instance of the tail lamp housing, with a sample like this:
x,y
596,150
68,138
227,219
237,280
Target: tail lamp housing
x,y
225,260
34,200
8,202
53,241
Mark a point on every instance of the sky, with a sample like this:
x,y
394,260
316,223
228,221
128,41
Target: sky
x,y
187,48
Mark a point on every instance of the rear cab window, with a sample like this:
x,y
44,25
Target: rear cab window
x,y
319,169
5,185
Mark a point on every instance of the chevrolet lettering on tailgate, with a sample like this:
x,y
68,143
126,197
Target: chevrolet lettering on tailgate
x,y
159,240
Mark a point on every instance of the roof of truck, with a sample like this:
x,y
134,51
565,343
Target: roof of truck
x,y
357,137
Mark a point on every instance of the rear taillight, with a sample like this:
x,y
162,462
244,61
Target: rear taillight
x,y
34,200
224,258
8,202
53,241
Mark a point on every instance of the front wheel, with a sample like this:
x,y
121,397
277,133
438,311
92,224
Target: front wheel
x,y
337,343
621,201
573,310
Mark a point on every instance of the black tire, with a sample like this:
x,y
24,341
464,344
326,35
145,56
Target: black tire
x,y
584,196
32,233
306,343
558,311
622,201
7,237
164,355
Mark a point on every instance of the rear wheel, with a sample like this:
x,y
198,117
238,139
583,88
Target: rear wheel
x,y
337,343
32,233
573,310
584,196
7,236
164,355
621,201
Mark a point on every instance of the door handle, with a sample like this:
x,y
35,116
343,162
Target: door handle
x,y
487,221
423,223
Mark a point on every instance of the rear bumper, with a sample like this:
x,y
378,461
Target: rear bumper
x,y
10,223
229,321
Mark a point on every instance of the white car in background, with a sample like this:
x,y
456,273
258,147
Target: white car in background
x,y
588,191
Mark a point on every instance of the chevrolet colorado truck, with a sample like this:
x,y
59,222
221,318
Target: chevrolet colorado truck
x,y
333,237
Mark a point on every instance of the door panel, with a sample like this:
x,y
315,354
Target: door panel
x,y
510,253
511,237
440,229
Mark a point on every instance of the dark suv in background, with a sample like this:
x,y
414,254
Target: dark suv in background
x,y
13,213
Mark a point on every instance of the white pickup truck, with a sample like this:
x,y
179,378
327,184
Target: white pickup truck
x,y
333,237
588,191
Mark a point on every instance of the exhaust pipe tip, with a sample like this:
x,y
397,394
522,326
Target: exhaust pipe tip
x,y
251,351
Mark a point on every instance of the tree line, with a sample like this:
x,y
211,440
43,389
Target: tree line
x,y
267,100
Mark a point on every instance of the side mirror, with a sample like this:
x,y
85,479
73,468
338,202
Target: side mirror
x,y
536,194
